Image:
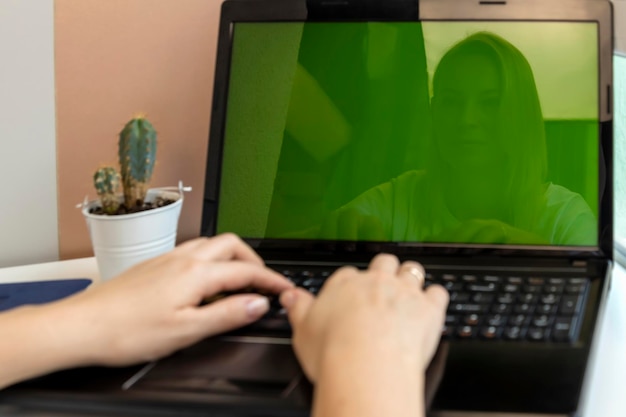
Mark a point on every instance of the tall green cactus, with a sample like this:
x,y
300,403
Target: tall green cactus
x,y
107,182
137,153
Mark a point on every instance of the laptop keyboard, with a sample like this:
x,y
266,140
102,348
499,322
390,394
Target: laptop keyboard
x,y
487,307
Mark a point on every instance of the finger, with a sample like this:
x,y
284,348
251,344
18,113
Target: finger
x,y
231,313
237,275
438,295
223,247
297,302
413,272
385,262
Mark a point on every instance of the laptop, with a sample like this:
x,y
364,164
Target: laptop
x,y
472,136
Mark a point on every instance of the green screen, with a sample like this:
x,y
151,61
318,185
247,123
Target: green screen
x,y
434,132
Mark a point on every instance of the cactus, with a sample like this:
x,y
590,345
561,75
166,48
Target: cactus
x,y
107,182
137,153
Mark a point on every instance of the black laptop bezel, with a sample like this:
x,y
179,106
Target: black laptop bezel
x,y
234,11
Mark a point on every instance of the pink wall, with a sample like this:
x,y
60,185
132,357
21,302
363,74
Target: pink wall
x,y
118,57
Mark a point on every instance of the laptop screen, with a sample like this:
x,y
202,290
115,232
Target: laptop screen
x,y
424,132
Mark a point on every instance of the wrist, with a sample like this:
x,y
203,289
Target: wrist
x,y
41,341
350,382
71,333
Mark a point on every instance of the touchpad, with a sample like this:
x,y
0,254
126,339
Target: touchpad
x,y
253,367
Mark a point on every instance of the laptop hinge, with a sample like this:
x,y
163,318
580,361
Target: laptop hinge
x,y
363,9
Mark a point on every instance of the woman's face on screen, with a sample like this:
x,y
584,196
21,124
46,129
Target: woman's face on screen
x,y
466,111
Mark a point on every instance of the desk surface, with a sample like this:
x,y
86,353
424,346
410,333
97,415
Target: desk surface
x,y
605,389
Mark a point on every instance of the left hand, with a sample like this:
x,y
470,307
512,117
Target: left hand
x,y
153,309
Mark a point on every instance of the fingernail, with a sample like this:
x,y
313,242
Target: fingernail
x,y
288,298
258,307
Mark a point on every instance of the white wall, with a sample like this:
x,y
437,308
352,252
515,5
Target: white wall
x,y
28,194
619,11
619,119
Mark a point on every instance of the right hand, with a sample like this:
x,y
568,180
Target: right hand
x,y
380,314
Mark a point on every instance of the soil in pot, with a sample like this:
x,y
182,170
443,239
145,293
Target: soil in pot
x,y
158,202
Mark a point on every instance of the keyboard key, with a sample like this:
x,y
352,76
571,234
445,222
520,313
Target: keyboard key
x,y
553,289
449,278
489,287
574,289
471,319
287,273
518,320
515,280
459,297
564,328
541,321
466,332
451,319
536,281
306,274
578,281
453,286
506,298
296,280
528,298
549,299
469,278
545,309
556,281
490,332
501,308
492,278
533,289
538,334
495,320
523,308
513,333
312,282
570,304
468,308
482,298
511,288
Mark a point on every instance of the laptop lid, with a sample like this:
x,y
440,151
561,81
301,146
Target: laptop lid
x,y
475,128
261,45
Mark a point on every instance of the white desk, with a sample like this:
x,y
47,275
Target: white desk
x,y
605,393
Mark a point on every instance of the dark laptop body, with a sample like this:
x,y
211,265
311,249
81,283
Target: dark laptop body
x,y
290,210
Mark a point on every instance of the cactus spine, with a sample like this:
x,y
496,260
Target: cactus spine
x,y
107,182
137,153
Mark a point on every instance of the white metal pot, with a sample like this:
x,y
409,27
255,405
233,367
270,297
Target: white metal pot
x,y
121,241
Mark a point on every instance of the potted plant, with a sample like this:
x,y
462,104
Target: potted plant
x,y
140,223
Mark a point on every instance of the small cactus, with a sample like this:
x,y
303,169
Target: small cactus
x,y
107,182
137,153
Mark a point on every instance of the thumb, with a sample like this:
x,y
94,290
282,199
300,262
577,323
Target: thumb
x,y
232,312
297,302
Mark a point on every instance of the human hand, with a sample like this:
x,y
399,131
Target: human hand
x,y
378,315
349,224
153,309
